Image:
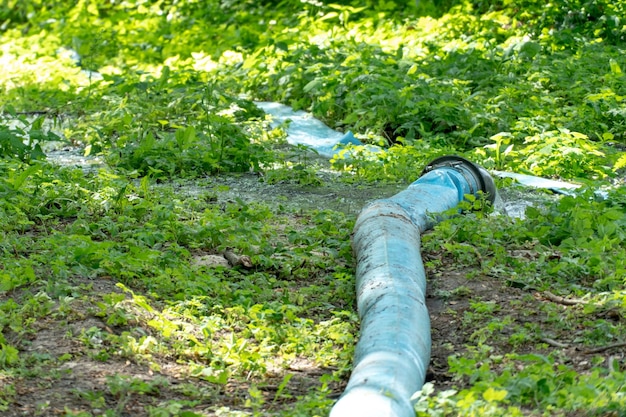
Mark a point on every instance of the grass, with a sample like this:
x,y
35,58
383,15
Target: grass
x,y
216,324
115,294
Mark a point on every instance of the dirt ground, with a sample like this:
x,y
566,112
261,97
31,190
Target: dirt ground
x,y
59,391
64,389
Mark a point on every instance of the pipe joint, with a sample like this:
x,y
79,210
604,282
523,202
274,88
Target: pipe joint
x,y
476,176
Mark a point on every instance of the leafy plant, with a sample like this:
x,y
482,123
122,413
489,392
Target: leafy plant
x,y
24,142
109,262
562,153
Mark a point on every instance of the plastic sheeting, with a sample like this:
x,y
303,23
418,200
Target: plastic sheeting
x,y
538,182
304,129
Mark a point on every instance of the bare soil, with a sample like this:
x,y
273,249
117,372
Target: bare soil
x,y
58,388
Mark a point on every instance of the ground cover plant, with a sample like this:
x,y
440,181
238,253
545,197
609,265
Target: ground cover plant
x,y
201,266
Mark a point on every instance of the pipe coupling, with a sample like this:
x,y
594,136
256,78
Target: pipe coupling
x,y
475,175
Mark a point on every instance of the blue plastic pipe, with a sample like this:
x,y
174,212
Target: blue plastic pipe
x,y
393,351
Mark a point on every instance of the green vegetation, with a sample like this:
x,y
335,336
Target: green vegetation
x,y
116,296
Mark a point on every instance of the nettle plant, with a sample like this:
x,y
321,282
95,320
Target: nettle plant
x,y
555,153
157,88
21,137
563,153
171,123
453,81
508,385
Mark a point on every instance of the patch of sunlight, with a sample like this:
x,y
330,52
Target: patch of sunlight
x,y
24,65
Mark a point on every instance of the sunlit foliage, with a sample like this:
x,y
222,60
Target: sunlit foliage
x,y
163,91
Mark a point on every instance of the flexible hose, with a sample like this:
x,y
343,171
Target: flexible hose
x,y
392,355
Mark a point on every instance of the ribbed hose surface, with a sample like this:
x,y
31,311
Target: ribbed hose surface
x,y
393,351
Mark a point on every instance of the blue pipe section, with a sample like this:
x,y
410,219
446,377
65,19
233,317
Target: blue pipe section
x,y
304,129
392,355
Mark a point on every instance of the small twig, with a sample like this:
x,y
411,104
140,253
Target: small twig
x,y
554,343
235,259
605,348
29,112
32,112
562,300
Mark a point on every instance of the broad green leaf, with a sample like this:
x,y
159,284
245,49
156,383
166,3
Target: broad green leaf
x,y
621,163
615,67
313,85
530,49
494,395
8,355
607,136
330,15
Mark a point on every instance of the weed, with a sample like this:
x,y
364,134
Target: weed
x,y
157,89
